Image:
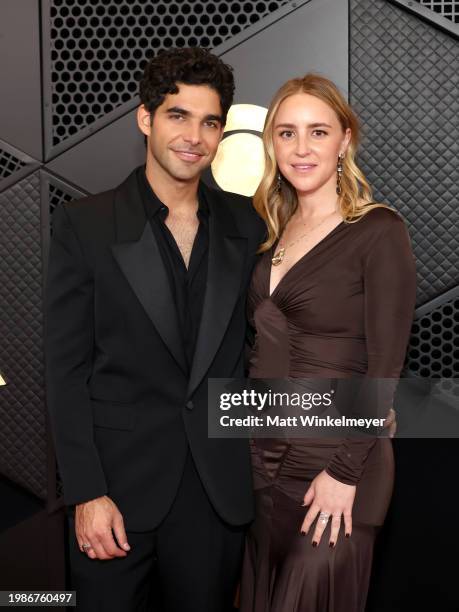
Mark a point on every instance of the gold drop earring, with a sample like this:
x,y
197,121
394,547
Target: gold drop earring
x,y
339,172
279,182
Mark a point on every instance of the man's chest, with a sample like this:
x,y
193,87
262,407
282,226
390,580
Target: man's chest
x,y
183,229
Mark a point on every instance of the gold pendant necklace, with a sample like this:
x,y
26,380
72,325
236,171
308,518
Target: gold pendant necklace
x,y
279,256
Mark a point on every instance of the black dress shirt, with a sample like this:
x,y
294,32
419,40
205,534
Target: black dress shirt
x,y
188,285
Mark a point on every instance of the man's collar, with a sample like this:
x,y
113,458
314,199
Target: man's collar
x,y
153,204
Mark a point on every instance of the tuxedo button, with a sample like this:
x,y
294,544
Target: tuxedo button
x,y
189,405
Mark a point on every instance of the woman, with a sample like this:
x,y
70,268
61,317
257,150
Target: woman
x,y
332,296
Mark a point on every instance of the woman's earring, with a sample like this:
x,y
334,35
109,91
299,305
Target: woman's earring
x,y
339,172
279,182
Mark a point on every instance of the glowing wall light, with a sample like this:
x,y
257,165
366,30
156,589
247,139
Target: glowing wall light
x,y
239,163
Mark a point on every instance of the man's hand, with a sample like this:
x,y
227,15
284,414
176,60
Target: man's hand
x,y
94,521
391,422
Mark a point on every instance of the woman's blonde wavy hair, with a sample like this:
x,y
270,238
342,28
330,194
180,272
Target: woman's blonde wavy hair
x,y
277,206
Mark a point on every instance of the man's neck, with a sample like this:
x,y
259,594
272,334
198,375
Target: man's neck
x,y
172,192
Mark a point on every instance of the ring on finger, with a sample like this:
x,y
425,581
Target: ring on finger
x,y
86,546
323,517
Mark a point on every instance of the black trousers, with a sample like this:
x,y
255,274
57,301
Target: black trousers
x,y
189,563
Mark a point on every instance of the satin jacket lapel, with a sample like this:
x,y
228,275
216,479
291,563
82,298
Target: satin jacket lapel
x,y
227,253
139,258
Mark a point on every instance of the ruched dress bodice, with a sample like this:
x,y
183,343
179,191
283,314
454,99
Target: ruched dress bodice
x,y
339,310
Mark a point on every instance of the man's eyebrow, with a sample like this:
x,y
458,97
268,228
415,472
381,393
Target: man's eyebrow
x,y
177,110
218,118
310,125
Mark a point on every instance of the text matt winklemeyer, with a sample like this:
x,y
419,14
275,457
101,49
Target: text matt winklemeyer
x,y
302,420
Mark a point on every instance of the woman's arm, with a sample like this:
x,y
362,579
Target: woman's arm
x,y
390,292
390,296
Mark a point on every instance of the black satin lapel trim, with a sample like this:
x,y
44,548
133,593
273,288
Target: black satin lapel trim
x,y
227,255
129,211
143,267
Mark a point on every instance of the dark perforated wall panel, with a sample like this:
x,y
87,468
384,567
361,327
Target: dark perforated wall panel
x,y
446,8
55,191
434,344
56,196
22,407
404,86
14,165
9,164
98,48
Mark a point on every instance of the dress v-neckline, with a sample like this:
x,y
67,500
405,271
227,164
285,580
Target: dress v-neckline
x,y
298,261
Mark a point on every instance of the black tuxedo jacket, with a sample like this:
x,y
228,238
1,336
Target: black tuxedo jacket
x,y
124,407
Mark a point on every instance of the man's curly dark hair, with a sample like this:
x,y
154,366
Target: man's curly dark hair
x,y
191,66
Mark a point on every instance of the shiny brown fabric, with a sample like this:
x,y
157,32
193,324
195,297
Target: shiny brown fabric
x,y
344,309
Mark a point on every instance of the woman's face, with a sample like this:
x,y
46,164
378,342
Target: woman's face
x,y
307,139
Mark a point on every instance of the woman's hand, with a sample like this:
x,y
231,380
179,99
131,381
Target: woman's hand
x,y
333,498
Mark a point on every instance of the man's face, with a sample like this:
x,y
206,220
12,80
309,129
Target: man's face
x,y
185,132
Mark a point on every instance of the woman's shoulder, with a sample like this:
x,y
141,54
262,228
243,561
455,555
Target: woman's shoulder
x,y
379,219
382,229
381,214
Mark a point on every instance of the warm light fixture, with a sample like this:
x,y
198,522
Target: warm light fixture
x,y
246,117
2,381
239,163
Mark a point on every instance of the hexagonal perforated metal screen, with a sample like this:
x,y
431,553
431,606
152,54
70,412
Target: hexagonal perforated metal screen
x,y
99,47
434,344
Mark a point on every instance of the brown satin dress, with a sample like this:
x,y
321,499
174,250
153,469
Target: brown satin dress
x,y
344,309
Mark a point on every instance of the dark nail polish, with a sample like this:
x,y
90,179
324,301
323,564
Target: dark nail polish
x,y
314,544
348,535
332,544
303,533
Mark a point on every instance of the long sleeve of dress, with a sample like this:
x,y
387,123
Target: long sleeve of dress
x,y
390,293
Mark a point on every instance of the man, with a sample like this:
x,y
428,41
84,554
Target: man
x,y
145,301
